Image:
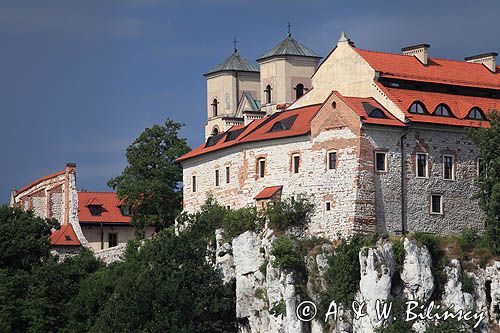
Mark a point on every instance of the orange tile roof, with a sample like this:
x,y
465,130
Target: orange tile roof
x,y
443,71
110,204
65,236
259,129
459,106
268,192
38,181
362,105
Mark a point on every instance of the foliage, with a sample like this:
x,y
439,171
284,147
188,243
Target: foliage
x,y
398,325
467,239
289,213
286,254
467,283
488,140
278,308
236,222
150,182
399,252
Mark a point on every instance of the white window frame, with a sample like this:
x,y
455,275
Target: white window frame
x,y
452,167
441,209
293,163
259,169
386,163
426,165
328,159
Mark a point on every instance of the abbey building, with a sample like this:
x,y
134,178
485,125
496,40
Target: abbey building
x,y
377,141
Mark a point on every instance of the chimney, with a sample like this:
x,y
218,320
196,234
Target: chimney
x,y
70,169
420,51
12,197
487,59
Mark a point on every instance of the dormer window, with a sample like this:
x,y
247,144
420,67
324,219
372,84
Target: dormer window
x,y
284,124
417,108
95,210
299,90
214,107
442,110
67,237
125,210
268,94
476,114
377,113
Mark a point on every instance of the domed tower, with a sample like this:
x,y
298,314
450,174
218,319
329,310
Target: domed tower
x,y
227,84
285,72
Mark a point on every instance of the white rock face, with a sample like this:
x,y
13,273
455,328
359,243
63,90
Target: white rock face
x,y
417,274
377,266
493,281
453,296
224,257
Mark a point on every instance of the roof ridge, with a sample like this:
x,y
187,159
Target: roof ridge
x,y
100,192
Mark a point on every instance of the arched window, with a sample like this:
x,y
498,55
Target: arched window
x,y
299,90
417,107
442,110
476,114
268,94
214,107
377,113
215,131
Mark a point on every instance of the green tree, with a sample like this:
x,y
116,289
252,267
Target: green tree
x,y
151,180
488,140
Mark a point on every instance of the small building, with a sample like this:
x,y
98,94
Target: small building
x,y
95,220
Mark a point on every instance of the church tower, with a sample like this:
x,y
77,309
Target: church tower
x,y
285,73
227,84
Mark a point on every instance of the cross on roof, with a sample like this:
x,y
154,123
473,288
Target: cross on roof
x,y
234,42
289,26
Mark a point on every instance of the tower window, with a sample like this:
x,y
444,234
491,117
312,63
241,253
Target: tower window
x,y
380,161
417,108
214,107
436,204
448,167
216,177
262,167
193,182
476,114
442,110
328,206
299,90
215,131
422,165
228,175
268,94
296,163
332,160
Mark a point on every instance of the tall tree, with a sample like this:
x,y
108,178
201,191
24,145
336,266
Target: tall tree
x,y
489,178
151,181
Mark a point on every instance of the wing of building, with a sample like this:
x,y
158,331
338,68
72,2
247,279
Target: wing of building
x,y
377,141
96,220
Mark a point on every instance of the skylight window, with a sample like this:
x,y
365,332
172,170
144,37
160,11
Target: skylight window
x,y
95,210
442,110
476,114
67,237
417,108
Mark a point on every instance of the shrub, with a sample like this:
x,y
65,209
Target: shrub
x,y
236,222
467,239
467,283
399,252
278,309
289,213
285,251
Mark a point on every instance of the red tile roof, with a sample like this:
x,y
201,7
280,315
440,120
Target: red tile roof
x,y
65,236
459,106
38,181
259,130
110,204
362,106
268,192
443,71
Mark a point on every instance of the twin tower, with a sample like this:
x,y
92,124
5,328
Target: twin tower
x,y
238,92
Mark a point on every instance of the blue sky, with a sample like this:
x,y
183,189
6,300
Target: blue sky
x,y
81,79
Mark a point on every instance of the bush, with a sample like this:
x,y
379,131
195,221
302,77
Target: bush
x,y
236,222
285,251
289,213
467,283
399,252
467,239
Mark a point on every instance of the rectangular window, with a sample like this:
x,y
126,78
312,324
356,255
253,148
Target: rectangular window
x,y
380,161
332,160
112,240
193,182
216,177
95,210
436,204
228,175
448,167
328,206
481,167
296,163
228,207
421,165
262,168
